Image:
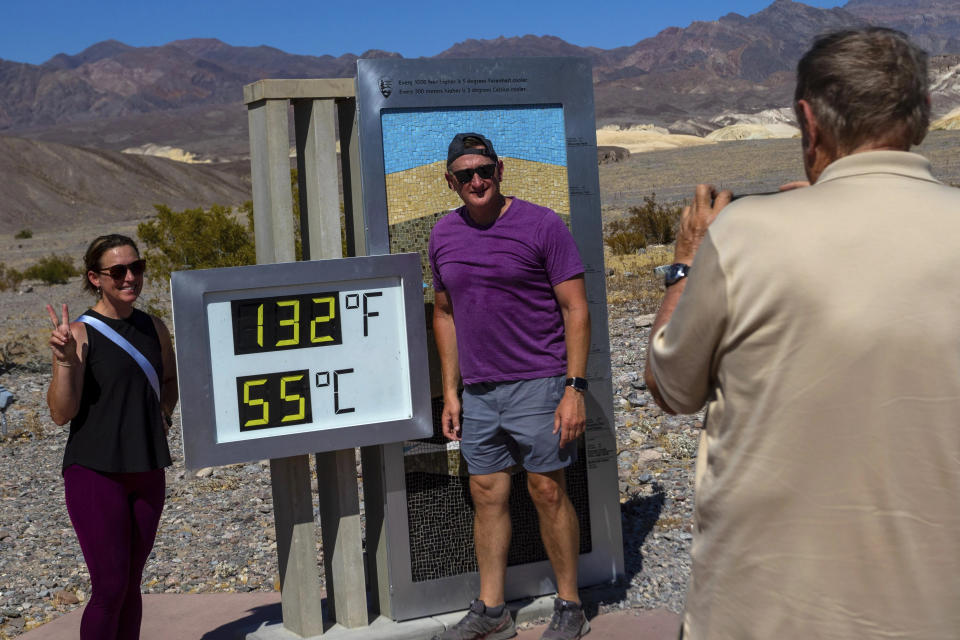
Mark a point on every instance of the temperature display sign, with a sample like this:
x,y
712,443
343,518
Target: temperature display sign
x,y
285,359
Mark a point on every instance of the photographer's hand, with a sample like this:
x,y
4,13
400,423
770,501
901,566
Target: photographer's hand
x,y
696,218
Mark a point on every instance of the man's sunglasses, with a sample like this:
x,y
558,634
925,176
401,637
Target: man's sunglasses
x,y
119,271
485,171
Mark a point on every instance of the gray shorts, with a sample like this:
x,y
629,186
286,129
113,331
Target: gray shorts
x,y
508,423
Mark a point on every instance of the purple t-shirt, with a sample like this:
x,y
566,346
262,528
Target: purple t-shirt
x,y
500,281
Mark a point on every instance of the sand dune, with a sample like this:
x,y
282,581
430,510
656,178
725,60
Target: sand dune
x,y
753,132
949,122
641,138
783,115
638,139
164,151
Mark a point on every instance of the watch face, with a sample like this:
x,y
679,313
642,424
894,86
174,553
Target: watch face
x,y
675,272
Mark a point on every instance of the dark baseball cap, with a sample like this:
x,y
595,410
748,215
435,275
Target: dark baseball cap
x,y
458,148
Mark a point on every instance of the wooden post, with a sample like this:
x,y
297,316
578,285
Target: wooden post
x,y
290,477
336,470
300,595
350,163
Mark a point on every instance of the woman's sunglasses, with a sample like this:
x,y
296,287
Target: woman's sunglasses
x,y
485,171
119,271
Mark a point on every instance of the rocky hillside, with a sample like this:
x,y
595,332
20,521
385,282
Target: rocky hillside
x,y
112,79
933,24
49,185
735,62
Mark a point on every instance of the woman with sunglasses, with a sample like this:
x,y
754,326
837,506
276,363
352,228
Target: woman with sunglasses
x,y
113,465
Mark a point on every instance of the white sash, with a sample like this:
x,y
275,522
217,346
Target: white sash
x,y
124,344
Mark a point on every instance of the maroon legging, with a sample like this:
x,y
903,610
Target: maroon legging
x,y
115,516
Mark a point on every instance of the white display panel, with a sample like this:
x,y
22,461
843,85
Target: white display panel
x,y
362,380
285,359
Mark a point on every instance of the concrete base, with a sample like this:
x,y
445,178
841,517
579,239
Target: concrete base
x,y
380,629
386,629
234,616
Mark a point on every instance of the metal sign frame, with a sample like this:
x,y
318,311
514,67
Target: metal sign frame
x,y
389,84
191,290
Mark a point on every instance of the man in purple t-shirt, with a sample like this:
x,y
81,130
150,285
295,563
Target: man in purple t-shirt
x,y
510,318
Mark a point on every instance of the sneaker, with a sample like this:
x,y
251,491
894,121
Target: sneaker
x,y
477,625
568,622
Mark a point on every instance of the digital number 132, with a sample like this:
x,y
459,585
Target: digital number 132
x,y
294,321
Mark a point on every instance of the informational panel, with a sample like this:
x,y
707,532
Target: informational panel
x,y
294,358
538,114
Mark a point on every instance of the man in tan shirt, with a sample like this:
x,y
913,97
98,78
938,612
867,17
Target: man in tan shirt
x,y
821,326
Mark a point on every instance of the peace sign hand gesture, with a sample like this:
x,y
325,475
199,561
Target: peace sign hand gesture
x,y
62,342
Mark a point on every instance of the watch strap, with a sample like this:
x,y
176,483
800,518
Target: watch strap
x,y
578,384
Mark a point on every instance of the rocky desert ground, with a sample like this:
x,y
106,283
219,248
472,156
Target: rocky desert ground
x,y
217,529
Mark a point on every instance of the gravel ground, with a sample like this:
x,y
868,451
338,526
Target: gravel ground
x,y
217,534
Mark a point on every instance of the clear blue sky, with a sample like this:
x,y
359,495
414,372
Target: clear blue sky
x,y
35,30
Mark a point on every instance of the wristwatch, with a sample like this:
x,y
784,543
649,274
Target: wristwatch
x,y
673,273
578,384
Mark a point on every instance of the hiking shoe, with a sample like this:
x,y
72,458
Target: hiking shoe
x,y
477,625
568,622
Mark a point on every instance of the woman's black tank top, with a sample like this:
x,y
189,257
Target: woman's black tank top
x,y
119,426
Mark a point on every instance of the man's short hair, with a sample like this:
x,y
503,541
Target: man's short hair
x,y
467,144
866,85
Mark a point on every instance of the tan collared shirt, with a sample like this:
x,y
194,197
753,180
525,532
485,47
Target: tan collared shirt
x,y
822,328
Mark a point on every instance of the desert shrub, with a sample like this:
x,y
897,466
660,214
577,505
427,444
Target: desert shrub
x,y
207,238
632,281
196,239
24,234
651,223
52,270
295,193
10,278
623,238
23,351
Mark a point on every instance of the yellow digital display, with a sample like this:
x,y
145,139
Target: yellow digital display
x,y
285,322
274,400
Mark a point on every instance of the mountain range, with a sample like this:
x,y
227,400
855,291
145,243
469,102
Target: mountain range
x,y
187,94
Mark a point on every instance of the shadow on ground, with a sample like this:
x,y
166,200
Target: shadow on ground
x,y
638,515
254,618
